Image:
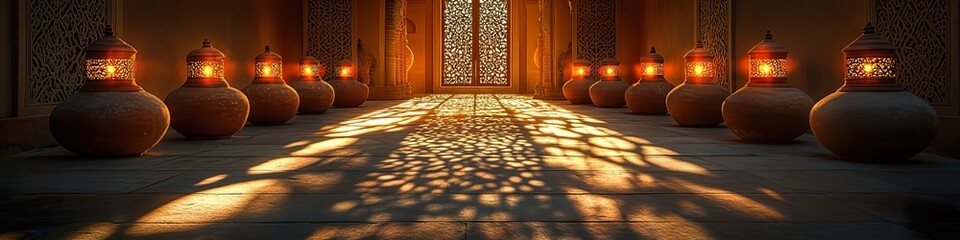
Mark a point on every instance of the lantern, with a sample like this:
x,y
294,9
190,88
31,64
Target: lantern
x,y
697,101
768,109
316,95
348,91
206,107
609,92
870,118
272,101
577,89
649,94
111,115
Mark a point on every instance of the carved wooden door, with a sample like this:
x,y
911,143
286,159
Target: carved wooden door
x,y
475,43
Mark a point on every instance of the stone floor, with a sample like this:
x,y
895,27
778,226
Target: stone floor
x,y
477,167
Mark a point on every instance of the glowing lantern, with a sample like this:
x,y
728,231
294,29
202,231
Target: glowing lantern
x,y
206,107
697,102
111,115
870,118
768,109
610,91
272,101
316,95
649,94
577,89
348,91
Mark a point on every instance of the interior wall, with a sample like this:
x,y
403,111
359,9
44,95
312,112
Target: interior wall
x,y
8,58
814,31
531,76
418,12
370,20
671,28
165,31
631,41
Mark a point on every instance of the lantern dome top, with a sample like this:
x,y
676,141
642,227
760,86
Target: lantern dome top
x,y
768,48
268,56
699,53
581,62
308,60
652,57
206,52
109,46
609,61
870,44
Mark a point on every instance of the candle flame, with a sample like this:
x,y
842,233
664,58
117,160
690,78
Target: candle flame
x,y
345,72
207,71
649,70
698,70
610,71
581,72
266,71
765,69
111,70
308,71
868,68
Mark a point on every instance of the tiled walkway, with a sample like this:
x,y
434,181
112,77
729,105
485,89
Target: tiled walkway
x,y
477,167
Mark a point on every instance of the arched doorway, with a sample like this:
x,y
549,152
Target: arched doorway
x,y
475,44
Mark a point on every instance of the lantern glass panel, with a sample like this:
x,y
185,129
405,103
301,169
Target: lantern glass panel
x,y
581,71
871,67
768,68
610,71
700,69
204,69
310,70
652,69
345,71
268,69
107,69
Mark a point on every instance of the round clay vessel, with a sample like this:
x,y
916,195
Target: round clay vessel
x,y
111,115
316,95
765,114
768,109
577,89
697,104
272,101
870,118
648,96
207,113
206,107
608,93
120,124
348,91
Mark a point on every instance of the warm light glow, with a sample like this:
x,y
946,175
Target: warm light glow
x,y
581,72
346,72
868,68
698,70
266,71
307,71
111,70
207,71
765,69
610,71
649,71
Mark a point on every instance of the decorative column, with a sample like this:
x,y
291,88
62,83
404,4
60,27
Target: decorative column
x,y
395,84
549,86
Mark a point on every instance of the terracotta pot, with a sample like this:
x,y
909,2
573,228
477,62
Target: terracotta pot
x,y
349,93
207,112
316,96
118,124
697,104
649,94
577,91
608,93
206,107
874,126
111,115
271,103
870,118
648,97
767,114
768,109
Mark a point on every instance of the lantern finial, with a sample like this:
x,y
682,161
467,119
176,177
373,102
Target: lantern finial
x,y
653,50
108,31
699,44
869,29
768,36
206,43
266,48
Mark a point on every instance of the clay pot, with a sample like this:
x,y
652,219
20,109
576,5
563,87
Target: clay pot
x,y
316,95
870,118
272,101
609,93
121,124
348,91
577,91
206,107
649,95
768,109
207,112
111,115
697,104
699,100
